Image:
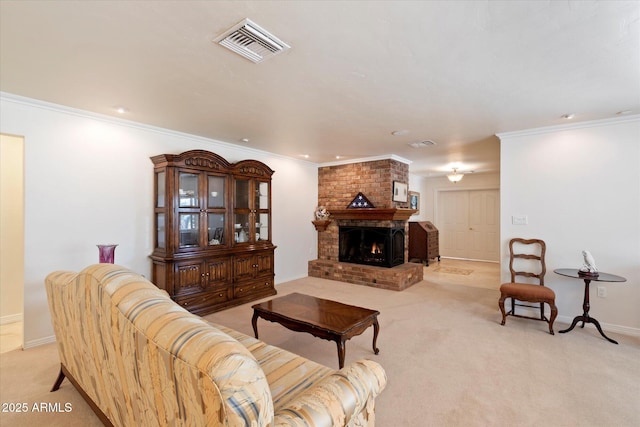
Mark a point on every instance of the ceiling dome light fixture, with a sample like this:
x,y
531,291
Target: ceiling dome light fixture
x,y
455,176
568,116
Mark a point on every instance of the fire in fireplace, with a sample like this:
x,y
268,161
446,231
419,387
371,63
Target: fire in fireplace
x,y
383,247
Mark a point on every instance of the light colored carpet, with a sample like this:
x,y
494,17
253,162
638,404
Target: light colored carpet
x,y
448,360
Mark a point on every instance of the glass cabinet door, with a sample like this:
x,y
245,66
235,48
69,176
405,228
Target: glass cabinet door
x,y
215,229
160,231
242,194
215,194
188,190
262,210
161,237
160,189
216,204
189,229
251,213
242,212
188,212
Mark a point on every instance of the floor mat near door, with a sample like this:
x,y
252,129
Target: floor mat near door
x,y
453,270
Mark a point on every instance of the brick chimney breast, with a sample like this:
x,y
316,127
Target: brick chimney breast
x,y
338,185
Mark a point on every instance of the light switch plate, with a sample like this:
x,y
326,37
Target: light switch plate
x,y
519,220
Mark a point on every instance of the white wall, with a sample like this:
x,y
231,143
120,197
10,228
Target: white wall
x,y
89,180
416,183
11,228
579,186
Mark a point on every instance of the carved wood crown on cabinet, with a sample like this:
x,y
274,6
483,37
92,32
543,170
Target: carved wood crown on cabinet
x,y
212,220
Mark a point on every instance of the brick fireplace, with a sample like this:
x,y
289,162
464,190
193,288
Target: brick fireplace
x,y
337,187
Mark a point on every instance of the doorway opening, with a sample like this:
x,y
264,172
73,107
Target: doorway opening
x,y
11,242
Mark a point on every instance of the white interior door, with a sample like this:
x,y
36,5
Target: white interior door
x,y
484,214
468,222
453,215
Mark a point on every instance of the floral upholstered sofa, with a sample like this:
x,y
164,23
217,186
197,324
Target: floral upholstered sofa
x,y
139,359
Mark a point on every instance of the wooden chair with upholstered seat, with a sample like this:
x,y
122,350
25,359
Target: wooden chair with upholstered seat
x,y
529,252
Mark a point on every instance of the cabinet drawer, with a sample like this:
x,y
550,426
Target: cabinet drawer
x,y
263,286
203,300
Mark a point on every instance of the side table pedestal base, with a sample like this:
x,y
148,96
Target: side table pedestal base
x,y
585,318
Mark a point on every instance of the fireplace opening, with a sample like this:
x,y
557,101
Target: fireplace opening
x,y
383,247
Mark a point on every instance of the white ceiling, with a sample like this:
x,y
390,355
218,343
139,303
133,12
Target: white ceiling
x,y
455,72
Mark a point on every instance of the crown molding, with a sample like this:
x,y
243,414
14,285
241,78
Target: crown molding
x,y
571,126
367,159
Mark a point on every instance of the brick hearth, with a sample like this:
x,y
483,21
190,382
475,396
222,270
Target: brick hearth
x,y
337,186
397,278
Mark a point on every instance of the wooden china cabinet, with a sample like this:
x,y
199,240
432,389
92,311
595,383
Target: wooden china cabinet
x,y
213,244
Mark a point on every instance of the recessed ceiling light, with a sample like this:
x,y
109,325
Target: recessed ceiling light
x,y
400,132
244,140
338,157
306,156
121,110
568,116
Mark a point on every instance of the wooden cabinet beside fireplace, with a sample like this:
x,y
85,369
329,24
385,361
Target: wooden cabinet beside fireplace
x,y
423,241
212,220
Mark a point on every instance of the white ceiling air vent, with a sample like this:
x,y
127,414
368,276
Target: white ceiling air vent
x,y
251,41
421,144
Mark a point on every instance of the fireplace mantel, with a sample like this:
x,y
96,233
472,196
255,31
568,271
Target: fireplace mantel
x,y
373,214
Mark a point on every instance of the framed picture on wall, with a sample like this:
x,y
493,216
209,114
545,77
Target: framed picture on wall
x,y
414,201
400,192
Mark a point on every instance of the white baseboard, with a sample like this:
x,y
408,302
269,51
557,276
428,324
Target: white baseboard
x,y
41,341
12,318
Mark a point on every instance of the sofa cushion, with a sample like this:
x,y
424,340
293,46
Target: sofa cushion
x,y
308,394
287,373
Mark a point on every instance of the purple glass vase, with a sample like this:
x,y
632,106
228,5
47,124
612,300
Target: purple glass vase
x,y
107,253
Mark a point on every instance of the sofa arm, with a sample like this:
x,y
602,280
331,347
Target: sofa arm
x,y
337,399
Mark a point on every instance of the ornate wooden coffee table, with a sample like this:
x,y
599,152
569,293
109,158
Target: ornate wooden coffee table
x,y
329,320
